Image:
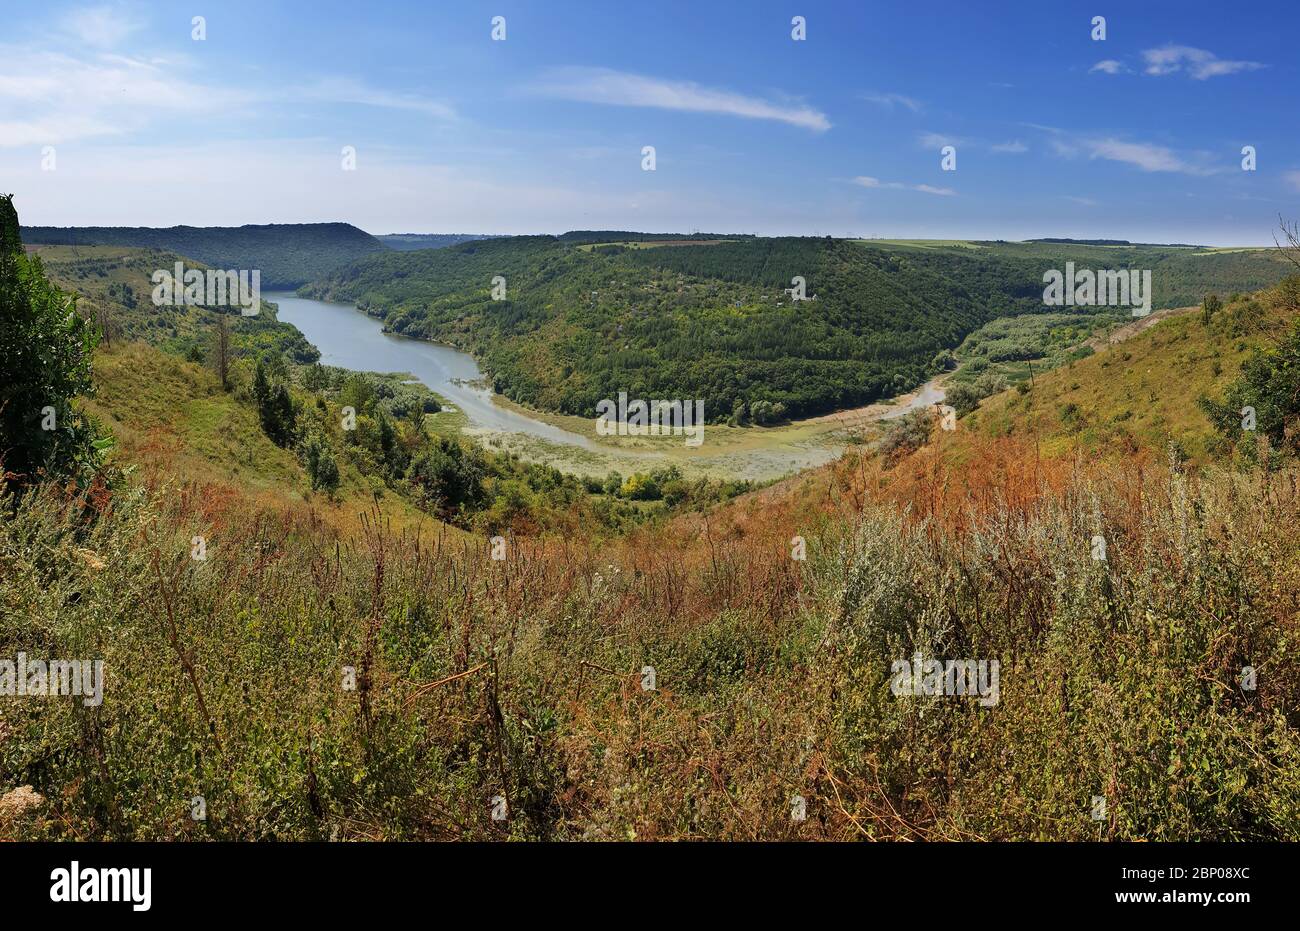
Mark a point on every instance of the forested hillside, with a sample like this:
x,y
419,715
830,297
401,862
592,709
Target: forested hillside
x,y
287,254
114,289
409,242
225,388
589,314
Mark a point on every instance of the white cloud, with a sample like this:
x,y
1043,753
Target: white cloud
x,y
1143,155
929,189
52,131
1292,178
1084,201
889,101
52,97
346,90
1015,147
1199,63
869,182
939,140
1108,66
619,88
99,26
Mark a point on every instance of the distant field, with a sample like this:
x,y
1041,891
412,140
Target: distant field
x,y
1224,249
922,243
654,244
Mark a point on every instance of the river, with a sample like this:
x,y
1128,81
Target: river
x,y
348,338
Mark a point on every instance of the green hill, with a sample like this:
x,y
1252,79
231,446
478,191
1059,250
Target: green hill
x,y
589,314
287,254
113,287
1142,391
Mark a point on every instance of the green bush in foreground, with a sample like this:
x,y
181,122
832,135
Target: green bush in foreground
x,y
45,350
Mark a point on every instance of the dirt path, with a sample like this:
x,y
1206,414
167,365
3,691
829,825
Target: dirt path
x,y
1129,330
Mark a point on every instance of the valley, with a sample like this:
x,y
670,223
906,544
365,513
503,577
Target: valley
x,y
376,546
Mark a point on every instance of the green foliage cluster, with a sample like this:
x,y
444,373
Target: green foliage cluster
x,y
391,443
114,287
1048,340
1268,386
906,433
45,362
275,407
965,396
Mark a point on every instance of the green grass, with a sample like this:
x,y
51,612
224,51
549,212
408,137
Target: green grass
x,y
173,422
1142,391
521,678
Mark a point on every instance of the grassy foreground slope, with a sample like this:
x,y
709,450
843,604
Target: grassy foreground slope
x,y
522,678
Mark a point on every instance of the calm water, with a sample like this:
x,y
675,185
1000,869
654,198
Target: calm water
x,y
349,338
346,337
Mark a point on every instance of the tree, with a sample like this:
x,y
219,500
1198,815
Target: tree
x,y
907,433
45,362
322,469
1209,307
1269,385
358,394
221,350
1291,233
274,407
448,474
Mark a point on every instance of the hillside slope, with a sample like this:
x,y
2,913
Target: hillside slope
x,y
579,324
287,254
174,426
1141,391
523,678
581,320
113,286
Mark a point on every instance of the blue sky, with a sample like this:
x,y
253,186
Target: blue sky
x,y
1135,137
